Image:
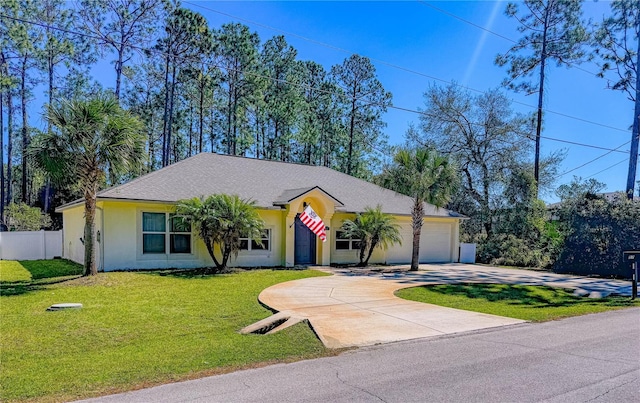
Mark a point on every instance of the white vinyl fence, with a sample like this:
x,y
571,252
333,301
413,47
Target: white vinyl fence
x,y
30,245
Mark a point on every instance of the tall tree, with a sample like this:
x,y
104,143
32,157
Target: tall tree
x,y
426,177
204,77
144,98
319,126
91,137
122,25
617,41
8,84
187,36
3,84
552,31
486,138
59,47
365,100
282,95
238,57
21,56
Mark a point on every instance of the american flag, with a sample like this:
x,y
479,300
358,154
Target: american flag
x,y
314,222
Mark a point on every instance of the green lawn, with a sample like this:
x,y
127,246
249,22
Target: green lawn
x,y
534,303
136,330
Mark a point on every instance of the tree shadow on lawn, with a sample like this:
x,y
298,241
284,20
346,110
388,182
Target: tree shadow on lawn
x,y
9,289
530,296
207,272
204,272
43,273
43,269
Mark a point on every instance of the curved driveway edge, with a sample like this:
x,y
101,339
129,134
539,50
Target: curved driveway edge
x,y
352,309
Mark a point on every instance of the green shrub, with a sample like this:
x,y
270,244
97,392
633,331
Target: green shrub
x,y
597,232
509,250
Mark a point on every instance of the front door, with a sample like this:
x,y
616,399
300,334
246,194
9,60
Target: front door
x,y
305,244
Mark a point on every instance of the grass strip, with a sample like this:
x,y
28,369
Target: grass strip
x,y
532,303
13,272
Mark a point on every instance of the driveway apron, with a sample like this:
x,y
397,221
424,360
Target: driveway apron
x,y
351,309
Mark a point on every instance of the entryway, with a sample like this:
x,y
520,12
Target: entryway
x,y
305,244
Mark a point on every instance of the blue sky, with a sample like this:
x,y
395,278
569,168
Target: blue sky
x,y
415,36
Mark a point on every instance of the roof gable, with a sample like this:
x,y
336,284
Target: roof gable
x,y
289,195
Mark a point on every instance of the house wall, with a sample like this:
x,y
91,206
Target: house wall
x,y
121,240
120,245
273,220
72,232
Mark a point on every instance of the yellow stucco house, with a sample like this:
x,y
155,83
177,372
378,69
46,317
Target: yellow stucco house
x,y
135,230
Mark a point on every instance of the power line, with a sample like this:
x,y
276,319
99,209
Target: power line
x,y
607,168
595,159
388,64
157,51
427,4
585,145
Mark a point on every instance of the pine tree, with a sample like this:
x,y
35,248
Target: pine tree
x,y
552,31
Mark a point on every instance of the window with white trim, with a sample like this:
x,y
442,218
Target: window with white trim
x,y
343,242
247,243
158,237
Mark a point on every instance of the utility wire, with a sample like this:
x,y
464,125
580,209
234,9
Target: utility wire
x,y
157,51
607,168
383,62
595,159
427,4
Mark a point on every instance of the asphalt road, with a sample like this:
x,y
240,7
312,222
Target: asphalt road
x,y
593,358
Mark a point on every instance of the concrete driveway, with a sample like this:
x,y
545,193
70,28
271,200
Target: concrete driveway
x,y
359,308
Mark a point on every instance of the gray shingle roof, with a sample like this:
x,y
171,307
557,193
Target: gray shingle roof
x,y
266,182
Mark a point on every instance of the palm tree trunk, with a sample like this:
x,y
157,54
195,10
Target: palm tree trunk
x,y
226,252
374,243
90,268
363,251
416,224
210,249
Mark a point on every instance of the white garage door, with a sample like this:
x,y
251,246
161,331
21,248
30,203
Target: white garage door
x,y
401,253
435,243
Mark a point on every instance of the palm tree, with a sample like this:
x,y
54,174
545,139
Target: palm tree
x,y
373,228
222,219
90,138
425,176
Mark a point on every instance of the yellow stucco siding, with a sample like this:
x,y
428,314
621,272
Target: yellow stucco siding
x,y
121,239
72,232
120,244
272,257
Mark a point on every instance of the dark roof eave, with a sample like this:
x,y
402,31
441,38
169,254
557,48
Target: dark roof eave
x,y
78,202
